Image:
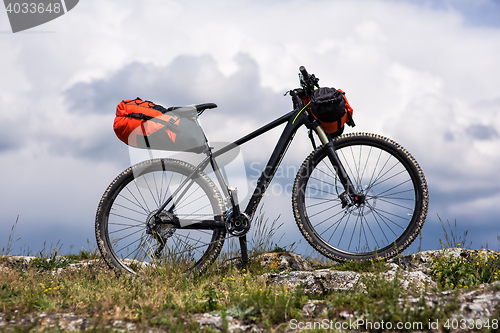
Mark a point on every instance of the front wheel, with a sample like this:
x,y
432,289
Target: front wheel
x,y
384,223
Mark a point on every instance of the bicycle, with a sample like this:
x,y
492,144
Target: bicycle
x,y
355,197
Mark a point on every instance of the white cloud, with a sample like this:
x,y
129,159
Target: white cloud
x,y
417,73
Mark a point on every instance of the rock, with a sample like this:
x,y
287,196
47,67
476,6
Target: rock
x,y
413,271
418,280
65,322
284,261
480,303
19,260
215,321
317,282
419,261
314,308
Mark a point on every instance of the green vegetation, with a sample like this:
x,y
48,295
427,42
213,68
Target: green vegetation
x,y
369,266
162,297
165,298
453,272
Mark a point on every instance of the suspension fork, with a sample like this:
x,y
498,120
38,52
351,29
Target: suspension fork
x,y
350,191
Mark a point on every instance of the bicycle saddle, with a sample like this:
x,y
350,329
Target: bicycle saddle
x,y
204,106
191,110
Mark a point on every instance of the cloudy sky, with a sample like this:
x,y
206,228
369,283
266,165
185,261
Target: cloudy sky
x,y
424,73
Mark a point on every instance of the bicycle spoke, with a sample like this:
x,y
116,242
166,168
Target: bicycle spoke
x,y
331,225
321,191
395,186
128,245
140,193
395,204
128,208
137,203
127,218
328,208
372,185
127,228
371,232
325,201
336,224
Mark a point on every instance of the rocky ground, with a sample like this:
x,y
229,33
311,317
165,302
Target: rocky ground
x,y
413,272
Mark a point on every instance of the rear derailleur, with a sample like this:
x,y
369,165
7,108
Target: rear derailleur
x,y
161,226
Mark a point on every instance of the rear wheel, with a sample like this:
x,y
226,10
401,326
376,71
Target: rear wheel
x,y
130,237
384,223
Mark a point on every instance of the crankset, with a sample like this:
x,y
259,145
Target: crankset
x,y
239,225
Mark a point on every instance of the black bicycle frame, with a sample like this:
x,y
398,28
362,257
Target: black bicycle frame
x,y
294,120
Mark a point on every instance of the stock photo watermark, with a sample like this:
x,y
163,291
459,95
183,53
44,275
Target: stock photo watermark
x,y
455,324
24,15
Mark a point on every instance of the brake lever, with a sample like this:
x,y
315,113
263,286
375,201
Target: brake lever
x,y
309,83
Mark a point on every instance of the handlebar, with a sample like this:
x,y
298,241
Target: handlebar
x,y
304,73
308,81
302,95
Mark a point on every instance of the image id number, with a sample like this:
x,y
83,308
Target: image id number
x,y
33,8
471,324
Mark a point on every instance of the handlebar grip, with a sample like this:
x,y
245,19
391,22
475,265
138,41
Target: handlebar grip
x,y
304,73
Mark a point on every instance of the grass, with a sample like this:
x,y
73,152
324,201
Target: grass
x,y
450,237
160,298
8,248
465,271
166,299
369,266
453,272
